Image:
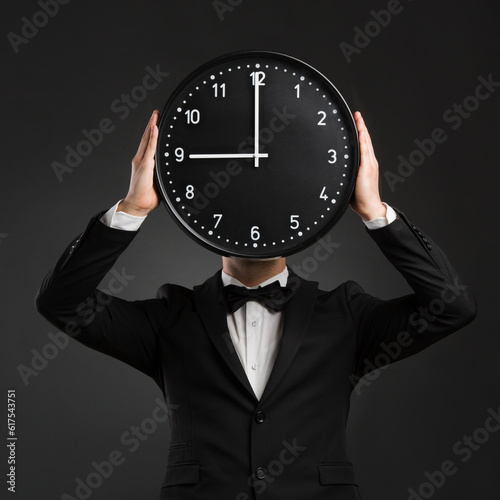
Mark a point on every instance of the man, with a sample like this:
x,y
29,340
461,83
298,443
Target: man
x,y
260,397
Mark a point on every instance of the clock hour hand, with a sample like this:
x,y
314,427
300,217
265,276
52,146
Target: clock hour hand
x,y
230,155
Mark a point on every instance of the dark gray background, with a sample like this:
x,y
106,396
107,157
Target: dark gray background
x,y
64,80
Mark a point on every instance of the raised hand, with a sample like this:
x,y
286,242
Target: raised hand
x,y
142,196
366,198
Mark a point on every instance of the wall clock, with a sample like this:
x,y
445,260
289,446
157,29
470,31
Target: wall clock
x,y
257,155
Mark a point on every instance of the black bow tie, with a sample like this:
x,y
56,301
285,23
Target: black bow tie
x,y
273,296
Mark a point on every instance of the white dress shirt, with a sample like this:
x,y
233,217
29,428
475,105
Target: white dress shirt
x,y
256,334
255,330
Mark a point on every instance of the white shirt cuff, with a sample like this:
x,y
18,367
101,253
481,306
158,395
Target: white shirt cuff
x,y
379,222
122,220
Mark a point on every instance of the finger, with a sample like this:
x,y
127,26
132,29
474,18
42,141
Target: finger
x,y
363,130
149,154
364,147
145,138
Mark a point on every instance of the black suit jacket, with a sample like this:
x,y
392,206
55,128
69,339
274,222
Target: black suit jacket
x,y
225,443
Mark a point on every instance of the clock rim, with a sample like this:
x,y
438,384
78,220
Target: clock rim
x,y
197,237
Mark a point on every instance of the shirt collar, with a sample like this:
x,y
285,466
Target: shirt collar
x,y
281,277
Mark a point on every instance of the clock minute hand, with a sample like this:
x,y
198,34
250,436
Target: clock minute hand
x,y
258,78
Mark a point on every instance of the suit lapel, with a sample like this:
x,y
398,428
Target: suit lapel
x,y
210,303
298,312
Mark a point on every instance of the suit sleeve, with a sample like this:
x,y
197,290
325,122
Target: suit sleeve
x,y
70,300
390,330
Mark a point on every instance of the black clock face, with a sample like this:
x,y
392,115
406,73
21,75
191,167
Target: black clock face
x,y
257,155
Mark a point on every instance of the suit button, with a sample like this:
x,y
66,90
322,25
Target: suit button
x,y
260,473
429,246
414,227
260,417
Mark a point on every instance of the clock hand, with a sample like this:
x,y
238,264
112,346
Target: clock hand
x,y
230,155
257,81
